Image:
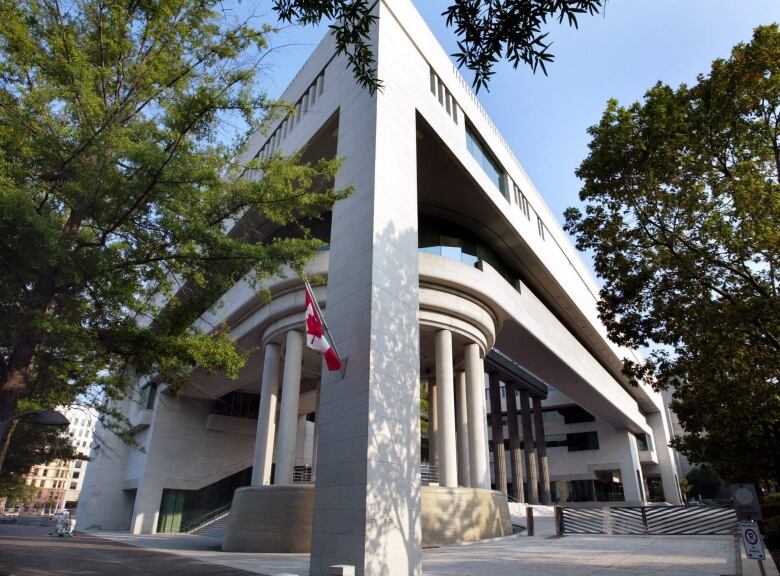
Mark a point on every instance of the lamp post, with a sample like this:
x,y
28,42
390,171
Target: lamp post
x,y
42,417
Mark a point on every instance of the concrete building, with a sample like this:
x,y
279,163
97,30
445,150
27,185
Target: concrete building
x,y
58,484
447,274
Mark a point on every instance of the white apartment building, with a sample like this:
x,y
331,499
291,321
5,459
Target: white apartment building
x,y
58,484
447,274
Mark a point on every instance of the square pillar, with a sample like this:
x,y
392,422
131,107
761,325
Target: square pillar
x,y
532,478
541,452
631,470
497,433
367,494
515,456
665,458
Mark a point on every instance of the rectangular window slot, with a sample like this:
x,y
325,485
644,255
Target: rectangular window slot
x,y
486,160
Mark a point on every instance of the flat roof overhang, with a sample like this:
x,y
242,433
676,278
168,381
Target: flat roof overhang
x,y
511,372
447,190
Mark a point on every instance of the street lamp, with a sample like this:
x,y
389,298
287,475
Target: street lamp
x,y
41,417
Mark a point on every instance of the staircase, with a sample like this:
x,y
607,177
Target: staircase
x,y
215,528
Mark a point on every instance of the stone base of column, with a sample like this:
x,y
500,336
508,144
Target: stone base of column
x,y
451,515
270,519
279,518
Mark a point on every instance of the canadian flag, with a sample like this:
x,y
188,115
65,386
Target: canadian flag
x,y
315,332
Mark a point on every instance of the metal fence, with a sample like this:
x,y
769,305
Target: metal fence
x,y
647,520
303,475
429,474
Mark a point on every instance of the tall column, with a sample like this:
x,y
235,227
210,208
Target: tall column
x,y
514,444
475,384
266,424
541,453
288,412
462,429
658,424
528,450
497,432
445,403
433,424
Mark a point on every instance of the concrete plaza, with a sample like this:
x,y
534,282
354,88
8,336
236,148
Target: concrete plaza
x,y
29,551
541,555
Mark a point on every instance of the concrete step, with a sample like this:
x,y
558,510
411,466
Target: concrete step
x,y
214,528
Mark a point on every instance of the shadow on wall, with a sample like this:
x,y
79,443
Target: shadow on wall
x,y
393,526
394,508
451,515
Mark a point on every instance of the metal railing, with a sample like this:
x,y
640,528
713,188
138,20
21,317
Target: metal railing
x,y
647,520
429,474
196,523
303,475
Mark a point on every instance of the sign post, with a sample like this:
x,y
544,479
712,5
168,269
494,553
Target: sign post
x,y
754,546
746,503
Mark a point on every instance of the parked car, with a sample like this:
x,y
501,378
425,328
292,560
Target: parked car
x,y
10,513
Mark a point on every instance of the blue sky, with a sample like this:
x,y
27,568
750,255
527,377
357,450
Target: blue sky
x,y
619,53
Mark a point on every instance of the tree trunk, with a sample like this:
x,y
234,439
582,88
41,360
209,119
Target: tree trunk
x,y
8,429
12,384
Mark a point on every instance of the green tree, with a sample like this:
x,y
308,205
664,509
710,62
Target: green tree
x,y
682,214
703,482
487,30
119,188
30,446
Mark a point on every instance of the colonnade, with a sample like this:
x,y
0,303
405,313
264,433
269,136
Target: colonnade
x,y
458,438
456,423
457,435
267,437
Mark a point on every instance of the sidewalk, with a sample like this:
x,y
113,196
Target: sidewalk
x,y
541,555
28,550
208,549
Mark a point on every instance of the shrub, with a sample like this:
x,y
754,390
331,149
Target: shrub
x,y
772,532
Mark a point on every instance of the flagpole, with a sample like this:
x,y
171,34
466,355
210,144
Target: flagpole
x,y
324,324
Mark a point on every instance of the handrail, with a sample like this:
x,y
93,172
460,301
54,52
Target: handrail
x,y
201,520
303,475
429,474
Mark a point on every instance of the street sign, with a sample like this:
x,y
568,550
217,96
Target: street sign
x,y
746,503
751,539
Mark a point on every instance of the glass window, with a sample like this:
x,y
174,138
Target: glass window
x,y
582,441
522,202
485,159
575,415
238,404
644,442
148,394
555,440
73,485
76,475
443,238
